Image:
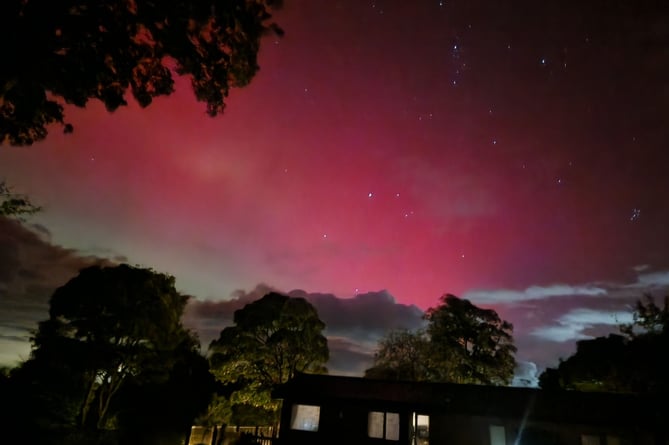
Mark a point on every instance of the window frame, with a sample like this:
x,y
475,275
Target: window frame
x,y
295,414
390,431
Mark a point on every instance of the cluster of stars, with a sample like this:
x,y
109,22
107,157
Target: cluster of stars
x,y
636,214
461,58
459,64
370,196
428,116
406,213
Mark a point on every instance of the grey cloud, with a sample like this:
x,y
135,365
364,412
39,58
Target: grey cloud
x,y
547,330
348,357
526,374
574,324
641,267
559,313
590,316
532,293
561,333
641,279
31,268
651,280
370,315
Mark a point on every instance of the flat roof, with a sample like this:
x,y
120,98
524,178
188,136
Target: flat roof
x,y
477,400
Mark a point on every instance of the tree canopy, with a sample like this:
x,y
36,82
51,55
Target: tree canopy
x,y
402,355
112,348
633,361
272,339
462,344
71,51
473,344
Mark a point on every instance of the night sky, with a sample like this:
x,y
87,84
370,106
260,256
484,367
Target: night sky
x,y
510,152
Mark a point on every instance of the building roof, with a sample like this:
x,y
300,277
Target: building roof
x,y
478,400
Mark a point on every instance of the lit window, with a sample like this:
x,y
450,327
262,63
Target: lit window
x,y
420,429
382,425
375,424
497,435
305,417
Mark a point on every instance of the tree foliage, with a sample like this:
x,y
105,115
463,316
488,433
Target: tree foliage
x,y
13,204
473,345
114,352
633,361
71,51
272,339
649,319
402,355
462,344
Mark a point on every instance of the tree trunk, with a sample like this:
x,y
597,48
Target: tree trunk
x,y
86,405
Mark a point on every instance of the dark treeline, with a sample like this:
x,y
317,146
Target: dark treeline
x,y
113,363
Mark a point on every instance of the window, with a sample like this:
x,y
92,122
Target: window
x,y
420,429
382,425
497,435
305,417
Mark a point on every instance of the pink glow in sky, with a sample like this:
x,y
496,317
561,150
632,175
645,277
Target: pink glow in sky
x,y
418,147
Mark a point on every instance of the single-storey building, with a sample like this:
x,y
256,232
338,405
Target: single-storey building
x,y
322,409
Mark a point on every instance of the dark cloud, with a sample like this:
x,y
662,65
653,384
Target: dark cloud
x,y
549,320
353,325
208,318
365,316
349,357
31,268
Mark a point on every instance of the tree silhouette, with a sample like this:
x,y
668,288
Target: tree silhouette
x,y
71,51
473,345
13,204
113,338
462,344
633,361
272,339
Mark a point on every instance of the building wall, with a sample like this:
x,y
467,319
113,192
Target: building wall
x,y
473,430
344,423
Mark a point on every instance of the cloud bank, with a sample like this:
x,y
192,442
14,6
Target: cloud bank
x,y
532,293
31,268
548,319
353,325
